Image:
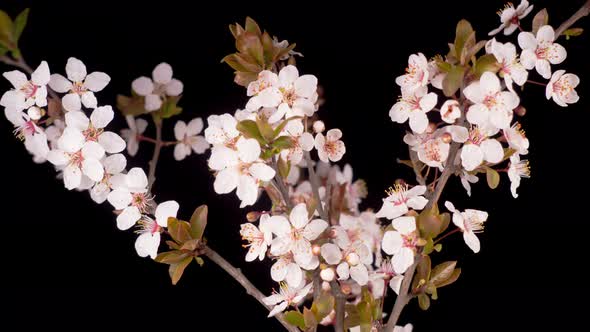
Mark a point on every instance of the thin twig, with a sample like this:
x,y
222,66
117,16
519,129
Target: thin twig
x,y
247,284
154,141
536,83
456,230
315,185
156,156
583,11
403,298
415,163
340,299
280,184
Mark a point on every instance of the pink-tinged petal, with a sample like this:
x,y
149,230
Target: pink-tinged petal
x,y
278,309
181,151
404,225
273,299
471,157
280,245
395,283
162,73
17,78
543,68
147,244
478,114
166,210
500,118
510,28
334,134
278,272
72,177
143,86
416,191
428,102
269,97
496,30
76,70
174,88
194,127
288,75
302,293
115,163
492,150
99,193
120,198
102,116
306,86
13,100
248,149
299,216
418,122
360,274
128,218
417,203
60,84
545,34
278,225
199,144
403,260
331,253
89,100
247,190
302,106
302,251
77,120
41,75
458,220
557,54
306,141
314,229
392,242
111,142
400,112
96,81
528,59
450,206
226,181
527,41
343,271
390,210
93,169
179,130
58,157
71,102
152,102
472,241
294,275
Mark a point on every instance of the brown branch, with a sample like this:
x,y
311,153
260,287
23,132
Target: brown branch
x,y
403,298
247,284
156,156
583,11
340,299
415,162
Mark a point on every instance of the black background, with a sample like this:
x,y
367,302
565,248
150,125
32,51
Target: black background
x,y
63,258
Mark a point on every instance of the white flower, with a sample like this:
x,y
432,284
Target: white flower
x,y
79,87
78,156
413,106
490,103
221,129
466,180
26,92
450,111
239,168
330,147
510,17
293,95
287,296
162,85
189,139
93,129
435,75
406,328
539,52
479,147
294,235
417,74
561,88
54,132
284,44
518,169
130,196
469,222
386,272
510,68
258,239
400,199
113,165
137,127
516,139
401,243
302,141
148,241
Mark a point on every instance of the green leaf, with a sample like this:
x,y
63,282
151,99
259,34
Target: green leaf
x,y
282,125
283,143
131,105
170,257
309,319
492,177
430,223
252,26
249,43
463,33
265,129
179,230
199,222
423,301
352,316
6,31
242,63
442,272
176,270
323,306
422,272
365,315
170,108
452,82
445,219
485,63
437,247
540,19
269,49
573,32
249,129
20,22
454,276
295,318
199,260
191,245
284,167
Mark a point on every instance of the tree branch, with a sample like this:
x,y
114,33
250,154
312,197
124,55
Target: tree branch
x,y
243,280
415,162
583,11
403,298
340,299
280,184
156,156
315,185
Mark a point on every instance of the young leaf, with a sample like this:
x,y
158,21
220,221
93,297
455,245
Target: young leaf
x,y
309,319
199,222
283,143
191,245
422,271
265,129
176,270
366,316
170,257
199,260
170,108
492,177
540,19
249,129
485,63
573,32
454,276
249,43
295,318
131,105
20,22
452,82
252,26
463,33
442,272
423,301
179,230
322,306
284,167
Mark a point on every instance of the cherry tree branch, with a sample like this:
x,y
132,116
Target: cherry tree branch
x,y
280,184
247,284
403,298
583,11
414,159
340,299
156,156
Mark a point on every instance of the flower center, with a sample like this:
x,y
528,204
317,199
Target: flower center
x,y
148,225
409,240
476,136
26,129
76,159
562,87
432,151
29,89
491,101
523,169
398,194
92,134
289,96
140,201
78,88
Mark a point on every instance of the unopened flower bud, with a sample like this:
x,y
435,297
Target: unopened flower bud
x,y
520,111
346,289
327,274
431,127
353,259
35,113
400,182
252,216
446,138
319,126
316,249
326,286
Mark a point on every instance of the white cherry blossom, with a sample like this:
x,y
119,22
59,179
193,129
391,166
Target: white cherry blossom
x,y
490,103
189,139
510,17
330,147
479,147
26,93
129,195
221,130
401,243
148,241
562,87
93,128
113,165
285,297
302,141
79,85
518,169
401,199
157,89
510,68
258,239
469,222
517,139
540,52
414,105
417,74
450,111
466,180
137,126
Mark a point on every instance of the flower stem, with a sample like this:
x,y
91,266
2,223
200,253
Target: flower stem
x,y
154,141
315,185
247,284
583,11
280,184
456,230
156,156
403,298
536,83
